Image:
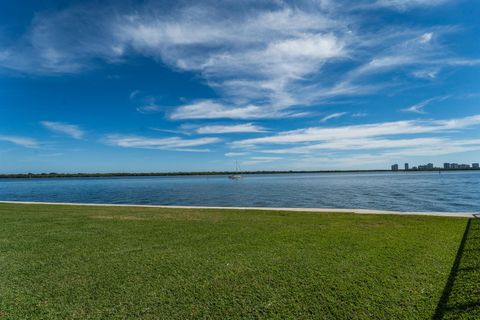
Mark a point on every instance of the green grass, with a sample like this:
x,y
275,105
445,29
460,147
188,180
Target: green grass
x,y
73,262
461,298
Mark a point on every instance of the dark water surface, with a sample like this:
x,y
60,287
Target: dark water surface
x,y
420,191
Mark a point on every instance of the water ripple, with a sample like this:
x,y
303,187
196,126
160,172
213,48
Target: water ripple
x,y
452,191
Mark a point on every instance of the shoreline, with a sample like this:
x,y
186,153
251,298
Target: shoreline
x,y
210,173
311,210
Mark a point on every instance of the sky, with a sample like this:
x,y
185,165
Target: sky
x,y
144,86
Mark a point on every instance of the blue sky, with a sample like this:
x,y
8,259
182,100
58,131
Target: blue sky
x,y
139,86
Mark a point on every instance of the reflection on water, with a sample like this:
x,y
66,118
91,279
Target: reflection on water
x,y
428,191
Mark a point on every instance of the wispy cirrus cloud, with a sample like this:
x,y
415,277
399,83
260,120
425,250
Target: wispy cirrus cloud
x,y
183,131
372,156
363,131
26,142
149,108
146,103
71,130
170,143
438,148
420,107
426,73
209,109
333,116
134,94
260,160
236,154
381,158
358,144
261,59
359,114
234,128
409,4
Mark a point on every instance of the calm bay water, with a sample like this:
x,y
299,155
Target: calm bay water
x,y
421,191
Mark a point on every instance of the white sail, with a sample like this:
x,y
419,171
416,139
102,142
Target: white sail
x,y
235,176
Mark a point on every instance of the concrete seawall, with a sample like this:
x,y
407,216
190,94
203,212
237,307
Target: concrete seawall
x,y
317,210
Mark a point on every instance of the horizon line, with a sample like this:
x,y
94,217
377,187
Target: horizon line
x,y
179,173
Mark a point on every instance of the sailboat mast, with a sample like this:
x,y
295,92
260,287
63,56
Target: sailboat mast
x,y
236,175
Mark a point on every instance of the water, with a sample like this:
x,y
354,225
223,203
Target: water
x,y
421,191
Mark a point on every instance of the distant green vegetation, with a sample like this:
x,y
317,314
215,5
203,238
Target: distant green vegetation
x,y
95,262
199,173
159,174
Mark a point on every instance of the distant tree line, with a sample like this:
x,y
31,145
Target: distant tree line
x,y
164,174
193,173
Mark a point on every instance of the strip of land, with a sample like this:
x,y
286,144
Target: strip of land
x,y
125,262
318,210
206,173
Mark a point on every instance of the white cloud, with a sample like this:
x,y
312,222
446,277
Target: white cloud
x,y
148,103
208,109
381,64
171,143
133,94
419,107
359,144
260,59
408,4
374,159
359,114
150,108
259,54
383,129
265,158
333,116
236,128
235,154
426,73
440,149
21,141
332,162
307,46
70,130
184,132
426,37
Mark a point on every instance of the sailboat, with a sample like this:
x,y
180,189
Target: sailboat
x,y
235,176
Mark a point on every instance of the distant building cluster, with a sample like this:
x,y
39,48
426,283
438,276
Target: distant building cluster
x,y
430,166
460,166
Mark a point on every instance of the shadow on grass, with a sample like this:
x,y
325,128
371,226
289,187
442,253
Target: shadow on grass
x,y
461,295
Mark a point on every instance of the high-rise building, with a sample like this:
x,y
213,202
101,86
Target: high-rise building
x,y
475,166
426,167
446,165
395,167
406,167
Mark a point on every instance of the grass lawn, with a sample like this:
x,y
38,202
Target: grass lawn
x,y
74,262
